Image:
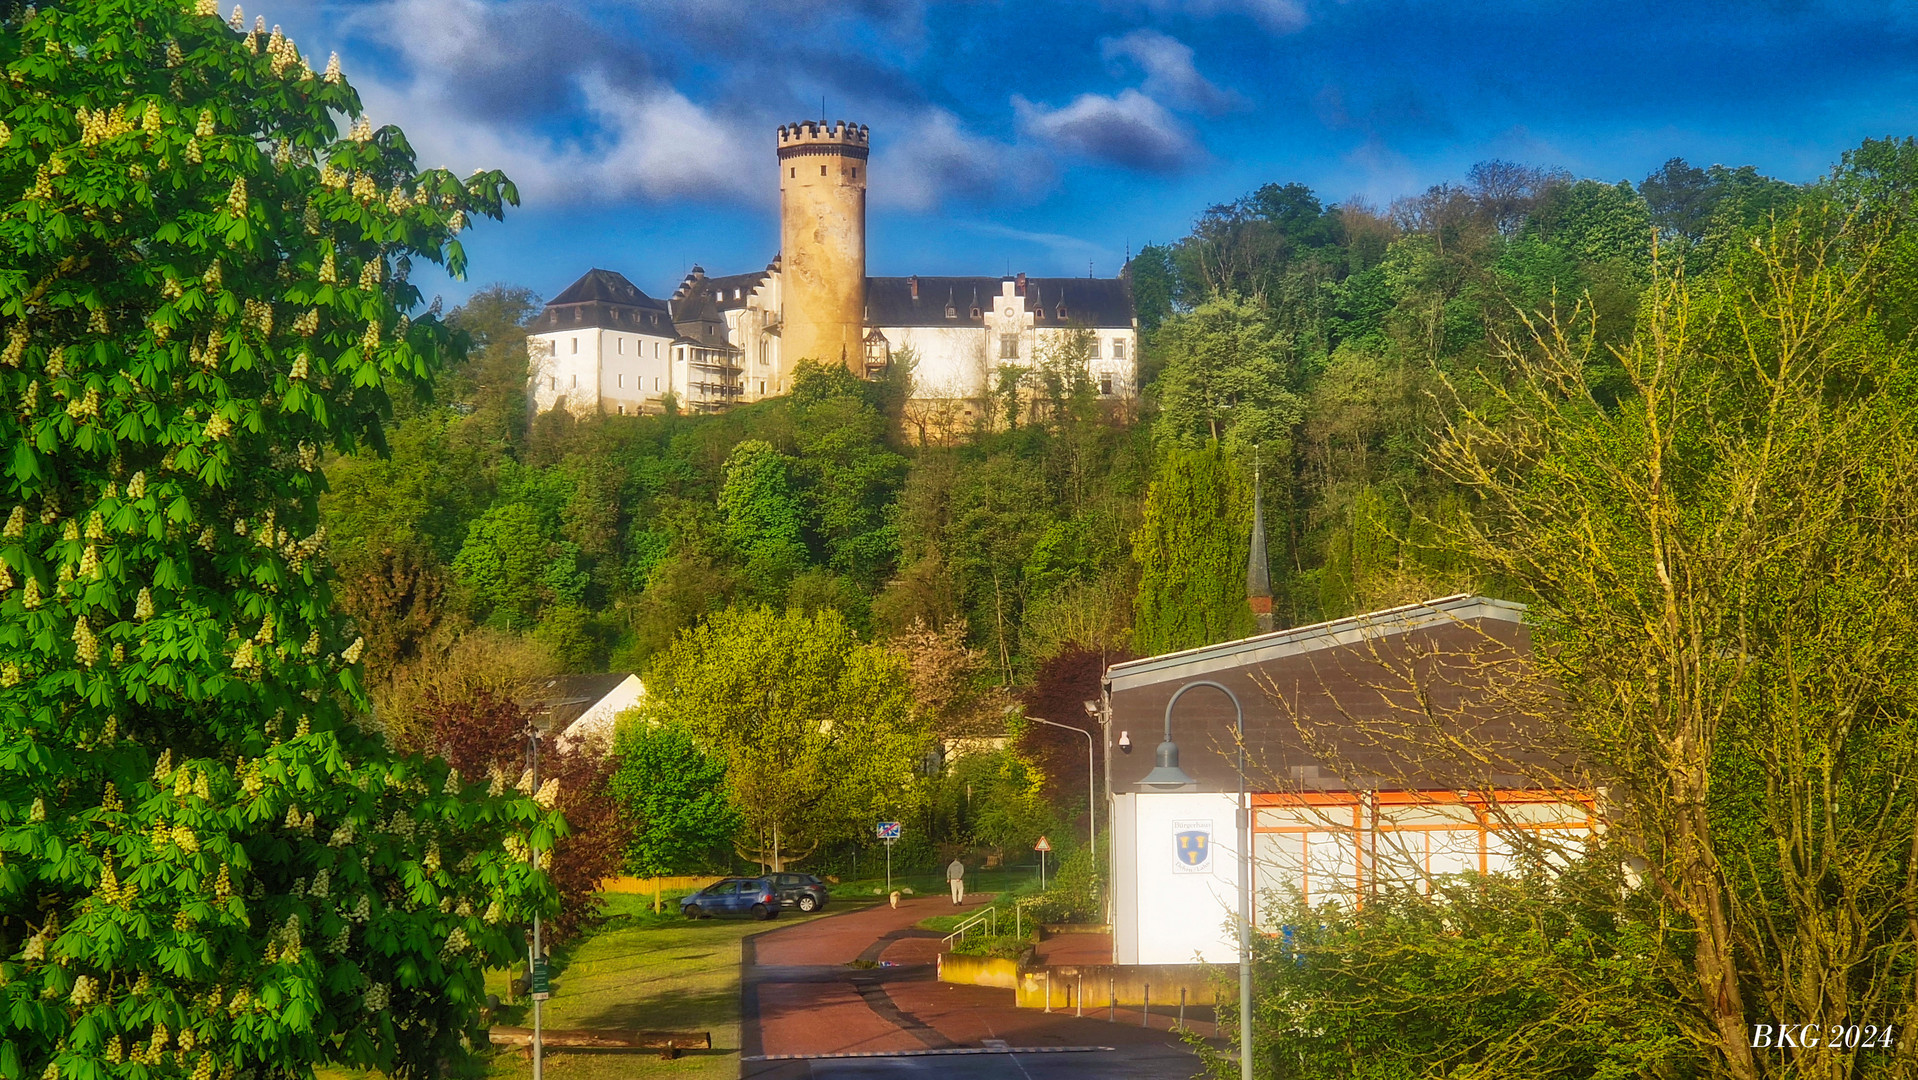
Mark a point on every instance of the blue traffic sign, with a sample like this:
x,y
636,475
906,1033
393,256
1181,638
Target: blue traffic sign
x,y
887,830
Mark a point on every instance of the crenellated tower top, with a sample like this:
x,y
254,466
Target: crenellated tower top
x,y
819,137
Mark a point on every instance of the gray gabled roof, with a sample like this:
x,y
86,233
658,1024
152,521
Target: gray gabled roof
x,y
1101,303
1245,652
605,300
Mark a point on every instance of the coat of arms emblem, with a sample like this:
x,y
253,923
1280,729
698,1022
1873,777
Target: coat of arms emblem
x,y
1192,847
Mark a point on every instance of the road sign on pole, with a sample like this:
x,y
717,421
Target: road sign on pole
x,y
1042,847
887,830
542,981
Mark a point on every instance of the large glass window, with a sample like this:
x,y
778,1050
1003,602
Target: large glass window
x,y
1008,346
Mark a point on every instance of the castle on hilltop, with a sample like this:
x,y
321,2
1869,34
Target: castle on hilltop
x,y
604,346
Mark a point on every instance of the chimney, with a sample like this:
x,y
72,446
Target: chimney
x,y
914,282
1019,284
1258,575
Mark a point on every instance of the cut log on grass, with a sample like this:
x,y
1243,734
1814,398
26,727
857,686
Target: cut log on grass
x,y
668,1043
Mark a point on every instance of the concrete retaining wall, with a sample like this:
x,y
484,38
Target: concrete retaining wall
x,y
979,971
1126,984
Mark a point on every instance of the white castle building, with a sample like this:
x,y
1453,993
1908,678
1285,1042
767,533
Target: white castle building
x,y
604,346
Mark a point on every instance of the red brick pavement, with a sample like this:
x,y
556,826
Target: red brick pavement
x,y
1075,949
804,995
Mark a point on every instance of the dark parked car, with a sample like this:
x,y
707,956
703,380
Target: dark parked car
x,y
733,896
802,891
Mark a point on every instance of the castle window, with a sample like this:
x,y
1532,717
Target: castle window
x,y
762,386
1095,348
622,380
552,383
575,382
622,345
822,170
1008,346
655,354
655,382
1039,314
622,410
1118,348
951,312
795,173
855,172
1062,313
1105,386
976,313
575,344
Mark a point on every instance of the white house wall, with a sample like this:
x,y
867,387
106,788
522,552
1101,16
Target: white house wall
x,y
949,361
597,370
594,728
1165,912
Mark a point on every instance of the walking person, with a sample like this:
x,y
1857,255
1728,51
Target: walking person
x,y
956,877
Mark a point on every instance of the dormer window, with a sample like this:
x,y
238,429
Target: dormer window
x,y
951,312
976,313
1062,313
1039,314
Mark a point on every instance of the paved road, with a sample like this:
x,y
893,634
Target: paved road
x,y
815,1005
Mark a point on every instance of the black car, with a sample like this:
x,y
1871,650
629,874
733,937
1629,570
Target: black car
x,y
802,891
733,896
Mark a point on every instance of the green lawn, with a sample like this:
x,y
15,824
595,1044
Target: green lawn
x,y
638,970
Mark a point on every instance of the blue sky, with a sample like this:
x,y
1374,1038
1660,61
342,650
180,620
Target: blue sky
x,y
1048,137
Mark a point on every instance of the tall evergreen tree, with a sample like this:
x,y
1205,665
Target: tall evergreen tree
x,y
1192,550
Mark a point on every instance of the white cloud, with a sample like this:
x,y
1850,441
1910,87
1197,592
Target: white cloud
x,y
925,158
453,90
661,145
1130,130
1170,75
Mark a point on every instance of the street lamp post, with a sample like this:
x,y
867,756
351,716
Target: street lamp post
x,y
1092,783
534,954
1167,776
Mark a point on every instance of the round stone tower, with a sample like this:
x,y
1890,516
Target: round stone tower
x,y
822,240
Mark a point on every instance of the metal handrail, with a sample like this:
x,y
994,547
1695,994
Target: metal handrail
x,y
988,915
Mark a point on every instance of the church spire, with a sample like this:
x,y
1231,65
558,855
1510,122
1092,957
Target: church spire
x,y
1258,577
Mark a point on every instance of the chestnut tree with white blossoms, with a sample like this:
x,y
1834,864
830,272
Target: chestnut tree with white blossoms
x,y
206,868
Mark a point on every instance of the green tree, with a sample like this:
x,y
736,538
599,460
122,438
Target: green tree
x,y
762,517
1720,572
208,869
676,794
1192,549
815,728
1227,378
503,563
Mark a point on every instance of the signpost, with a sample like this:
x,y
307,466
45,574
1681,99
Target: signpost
x,y
889,832
1044,845
542,982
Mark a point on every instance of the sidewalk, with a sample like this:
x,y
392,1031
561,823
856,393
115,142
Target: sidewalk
x,y
865,982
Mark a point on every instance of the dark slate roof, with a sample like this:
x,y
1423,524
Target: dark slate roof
x,y
1104,303
562,699
605,300
1373,701
705,299
604,286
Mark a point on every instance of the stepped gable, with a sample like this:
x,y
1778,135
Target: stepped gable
x,y
604,300
1101,303
697,311
699,296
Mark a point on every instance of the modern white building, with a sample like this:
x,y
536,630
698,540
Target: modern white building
x,y
1351,786
602,346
